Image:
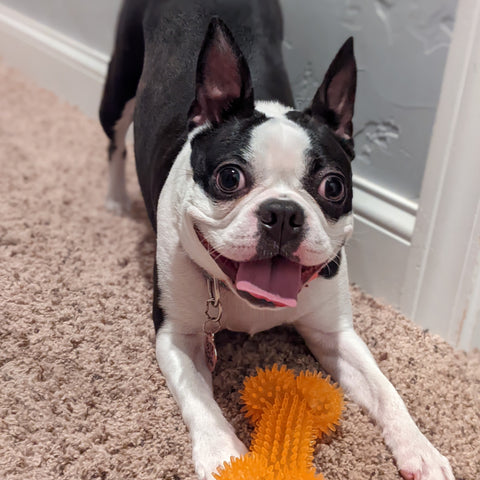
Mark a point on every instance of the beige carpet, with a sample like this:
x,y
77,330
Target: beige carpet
x,y
81,396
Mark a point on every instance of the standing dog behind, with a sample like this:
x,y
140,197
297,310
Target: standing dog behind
x,y
248,193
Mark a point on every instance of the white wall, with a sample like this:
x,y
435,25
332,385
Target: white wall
x,y
401,48
442,282
90,22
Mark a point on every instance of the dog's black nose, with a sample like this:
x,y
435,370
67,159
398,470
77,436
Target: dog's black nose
x,y
282,220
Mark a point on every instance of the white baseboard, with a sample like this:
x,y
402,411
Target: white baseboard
x,y
55,61
379,249
385,221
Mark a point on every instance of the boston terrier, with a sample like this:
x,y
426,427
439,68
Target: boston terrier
x,y
250,201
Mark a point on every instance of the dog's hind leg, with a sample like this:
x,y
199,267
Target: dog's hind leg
x,y
118,101
117,199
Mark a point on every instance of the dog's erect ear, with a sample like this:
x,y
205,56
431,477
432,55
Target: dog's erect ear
x,y
335,98
223,85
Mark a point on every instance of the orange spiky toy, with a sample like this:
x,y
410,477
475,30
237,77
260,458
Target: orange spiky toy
x,y
289,414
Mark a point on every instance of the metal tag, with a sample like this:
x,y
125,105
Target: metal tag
x,y
212,325
210,351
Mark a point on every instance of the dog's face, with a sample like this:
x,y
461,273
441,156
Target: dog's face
x,y
272,198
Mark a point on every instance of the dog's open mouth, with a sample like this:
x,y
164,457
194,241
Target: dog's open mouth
x,y
270,282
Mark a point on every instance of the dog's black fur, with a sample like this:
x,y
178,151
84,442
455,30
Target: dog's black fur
x,y
156,62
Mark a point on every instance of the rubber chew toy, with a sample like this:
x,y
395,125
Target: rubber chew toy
x,y
289,415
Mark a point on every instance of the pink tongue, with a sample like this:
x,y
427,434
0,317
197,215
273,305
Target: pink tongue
x,y
277,280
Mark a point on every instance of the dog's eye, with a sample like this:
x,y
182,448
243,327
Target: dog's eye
x,y
332,188
230,179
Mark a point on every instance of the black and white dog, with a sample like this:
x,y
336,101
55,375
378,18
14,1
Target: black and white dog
x,y
249,194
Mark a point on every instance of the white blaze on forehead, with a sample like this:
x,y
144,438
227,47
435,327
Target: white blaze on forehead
x,y
271,108
277,149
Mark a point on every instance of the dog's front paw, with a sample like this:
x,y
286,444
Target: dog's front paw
x,y
420,460
210,452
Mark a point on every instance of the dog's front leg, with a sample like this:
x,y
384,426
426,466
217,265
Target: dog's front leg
x,y
347,358
182,361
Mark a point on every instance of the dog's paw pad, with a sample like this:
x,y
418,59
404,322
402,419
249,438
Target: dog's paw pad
x,y
410,475
424,462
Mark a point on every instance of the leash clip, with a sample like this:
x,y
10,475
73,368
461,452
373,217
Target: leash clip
x,y
213,309
213,324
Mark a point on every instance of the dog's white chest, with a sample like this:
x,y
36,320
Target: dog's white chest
x,y
240,317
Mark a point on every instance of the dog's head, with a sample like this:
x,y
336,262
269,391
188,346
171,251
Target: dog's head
x,y
272,202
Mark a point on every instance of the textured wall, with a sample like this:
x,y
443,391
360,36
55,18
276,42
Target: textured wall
x,y
401,48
